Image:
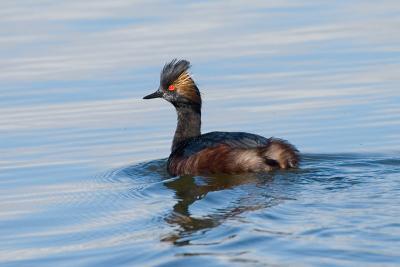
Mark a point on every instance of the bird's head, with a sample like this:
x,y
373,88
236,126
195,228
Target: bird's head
x,y
177,86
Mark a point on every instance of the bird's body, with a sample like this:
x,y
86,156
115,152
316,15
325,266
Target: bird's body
x,y
215,152
230,152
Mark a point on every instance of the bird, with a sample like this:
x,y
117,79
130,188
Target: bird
x,y
193,153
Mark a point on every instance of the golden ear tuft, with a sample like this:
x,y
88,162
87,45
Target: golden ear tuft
x,y
187,88
184,80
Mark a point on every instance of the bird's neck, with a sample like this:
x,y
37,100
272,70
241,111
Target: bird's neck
x,y
189,124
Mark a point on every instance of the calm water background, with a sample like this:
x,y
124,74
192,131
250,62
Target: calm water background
x,y
82,165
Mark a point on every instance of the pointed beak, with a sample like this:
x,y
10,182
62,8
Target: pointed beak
x,y
156,94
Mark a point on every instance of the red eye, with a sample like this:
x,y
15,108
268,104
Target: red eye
x,y
171,87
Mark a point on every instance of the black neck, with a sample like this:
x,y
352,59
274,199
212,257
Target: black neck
x,y
189,124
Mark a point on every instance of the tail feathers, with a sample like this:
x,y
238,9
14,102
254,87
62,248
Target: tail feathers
x,y
280,153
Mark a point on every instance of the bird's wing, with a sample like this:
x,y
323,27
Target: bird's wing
x,y
212,139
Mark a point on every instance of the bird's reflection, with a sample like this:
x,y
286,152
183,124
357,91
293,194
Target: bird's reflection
x,y
188,190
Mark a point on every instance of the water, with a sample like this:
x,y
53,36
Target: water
x,y
82,165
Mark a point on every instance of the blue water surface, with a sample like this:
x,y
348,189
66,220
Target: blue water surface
x,y
82,165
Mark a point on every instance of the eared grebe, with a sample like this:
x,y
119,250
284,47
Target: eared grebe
x,y
193,153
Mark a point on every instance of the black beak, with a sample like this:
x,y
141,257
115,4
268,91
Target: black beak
x,y
156,94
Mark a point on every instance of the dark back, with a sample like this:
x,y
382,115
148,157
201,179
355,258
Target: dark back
x,y
233,139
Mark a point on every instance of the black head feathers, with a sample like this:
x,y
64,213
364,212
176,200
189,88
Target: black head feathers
x,y
179,85
172,70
